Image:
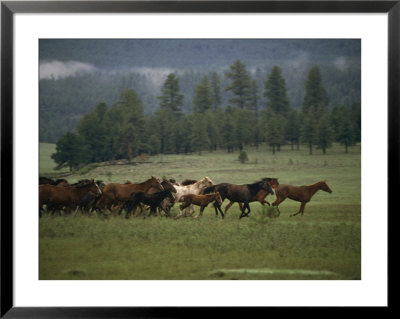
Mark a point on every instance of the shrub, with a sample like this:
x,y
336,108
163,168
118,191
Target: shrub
x,y
243,157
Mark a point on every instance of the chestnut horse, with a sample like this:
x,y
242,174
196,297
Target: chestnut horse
x,y
239,193
116,194
300,194
68,196
259,197
199,200
195,188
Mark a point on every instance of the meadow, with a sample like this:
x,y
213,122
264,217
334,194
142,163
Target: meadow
x,y
324,244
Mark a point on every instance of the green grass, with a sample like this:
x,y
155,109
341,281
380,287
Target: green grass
x,y
323,244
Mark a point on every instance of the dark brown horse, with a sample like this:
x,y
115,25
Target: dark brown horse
x,y
260,196
68,196
167,203
88,202
116,194
302,194
239,193
153,200
199,200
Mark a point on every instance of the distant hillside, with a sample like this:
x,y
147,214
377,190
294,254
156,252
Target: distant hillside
x,y
76,75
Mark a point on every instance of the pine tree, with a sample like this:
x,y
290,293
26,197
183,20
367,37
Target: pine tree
x,y
292,129
71,151
314,107
346,132
356,119
324,133
93,129
315,99
199,137
128,125
307,132
275,92
215,86
228,130
240,85
273,129
202,100
170,98
254,98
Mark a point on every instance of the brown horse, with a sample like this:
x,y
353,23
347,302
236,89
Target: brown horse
x,y
199,200
167,202
153,200
116,194
259,197
68,196
300,194
239,193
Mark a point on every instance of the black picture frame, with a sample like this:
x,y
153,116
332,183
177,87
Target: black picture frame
x,y
9,8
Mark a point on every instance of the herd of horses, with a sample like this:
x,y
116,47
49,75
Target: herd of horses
x,y
159,196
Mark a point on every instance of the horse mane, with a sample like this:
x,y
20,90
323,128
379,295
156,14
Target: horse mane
x,y
89,183
188,182
255,186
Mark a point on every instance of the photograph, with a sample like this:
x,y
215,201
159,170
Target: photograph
x,y
199,159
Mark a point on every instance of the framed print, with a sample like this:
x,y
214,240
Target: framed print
x,y
160,116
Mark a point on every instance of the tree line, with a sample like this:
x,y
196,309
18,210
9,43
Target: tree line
x,y
124,131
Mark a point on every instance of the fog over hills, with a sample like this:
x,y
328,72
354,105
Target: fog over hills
x,y
77,74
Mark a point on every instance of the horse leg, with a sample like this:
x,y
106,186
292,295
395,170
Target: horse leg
x,y
248,209
201,211
244,214
188,209
301,210
180,214
265,202
277,202
228,206
152,211
220,211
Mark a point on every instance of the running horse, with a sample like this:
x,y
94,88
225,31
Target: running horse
x,y
67,196
259,197
302,194
117,194
153,200
199,200
168,201
195,188
239,193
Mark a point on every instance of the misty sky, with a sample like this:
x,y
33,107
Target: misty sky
x,y
65,58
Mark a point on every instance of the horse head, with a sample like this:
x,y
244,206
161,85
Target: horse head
x,y
265,184
154,182
325,187
168,186
96,188
205,182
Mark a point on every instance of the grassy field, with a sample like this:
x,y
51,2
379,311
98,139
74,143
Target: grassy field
x,y
323,244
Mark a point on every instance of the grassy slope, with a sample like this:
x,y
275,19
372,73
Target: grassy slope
x,y
327,239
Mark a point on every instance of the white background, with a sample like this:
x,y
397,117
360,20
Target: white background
x,y
370,291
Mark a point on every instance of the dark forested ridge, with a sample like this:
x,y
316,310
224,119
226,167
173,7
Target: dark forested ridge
x,y
111,66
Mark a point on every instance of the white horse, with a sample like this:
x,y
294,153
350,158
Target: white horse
x,y
195,188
